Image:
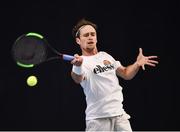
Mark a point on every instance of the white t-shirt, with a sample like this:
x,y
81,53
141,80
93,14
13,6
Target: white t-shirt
x,y
101,86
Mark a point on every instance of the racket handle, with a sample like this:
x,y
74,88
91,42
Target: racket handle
x,y
67,57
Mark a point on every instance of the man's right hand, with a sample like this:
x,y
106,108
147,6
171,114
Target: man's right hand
x,y
77,61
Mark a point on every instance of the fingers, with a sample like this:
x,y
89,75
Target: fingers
x,y
143,67
153,61
140,51
76,55
77,60
152,57
150,64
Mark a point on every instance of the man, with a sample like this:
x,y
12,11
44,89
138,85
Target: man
x,y
96,72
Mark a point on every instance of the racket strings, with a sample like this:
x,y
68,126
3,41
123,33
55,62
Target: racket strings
x,y
29,50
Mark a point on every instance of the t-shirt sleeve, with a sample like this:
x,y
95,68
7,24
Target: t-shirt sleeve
x,y
115,62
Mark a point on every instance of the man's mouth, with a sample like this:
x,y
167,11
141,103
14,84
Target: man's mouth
x,y
90,42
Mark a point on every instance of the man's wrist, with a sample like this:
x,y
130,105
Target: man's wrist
x,y
137,64
78,70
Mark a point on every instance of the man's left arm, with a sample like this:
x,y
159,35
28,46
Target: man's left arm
x,y
130,71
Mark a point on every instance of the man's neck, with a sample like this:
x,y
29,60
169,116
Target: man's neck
x,y
90,53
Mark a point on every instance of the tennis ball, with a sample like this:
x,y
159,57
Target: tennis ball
x,y
31,81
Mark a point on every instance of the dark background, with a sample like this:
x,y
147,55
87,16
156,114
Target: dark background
x,y
56,102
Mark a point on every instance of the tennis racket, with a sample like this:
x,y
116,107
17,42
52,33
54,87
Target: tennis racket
x,y
32,49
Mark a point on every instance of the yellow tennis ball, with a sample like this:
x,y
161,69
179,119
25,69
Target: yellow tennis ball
x,y
31,80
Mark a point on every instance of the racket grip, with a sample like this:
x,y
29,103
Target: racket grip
x,y
67,57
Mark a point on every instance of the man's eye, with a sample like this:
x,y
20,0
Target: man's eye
x,y
86,35
92,34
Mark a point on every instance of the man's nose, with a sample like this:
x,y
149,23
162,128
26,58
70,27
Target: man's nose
x,y
90,37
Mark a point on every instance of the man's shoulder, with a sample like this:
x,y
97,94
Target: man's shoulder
x,y
104,53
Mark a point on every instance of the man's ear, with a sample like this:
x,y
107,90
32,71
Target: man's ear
x,y
78,41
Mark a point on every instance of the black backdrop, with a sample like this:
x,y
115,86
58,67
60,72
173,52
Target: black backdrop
x,y
56,102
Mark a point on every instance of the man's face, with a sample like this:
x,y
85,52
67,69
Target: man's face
x,y
87,39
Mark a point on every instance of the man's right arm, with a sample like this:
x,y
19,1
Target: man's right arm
x,y
77,78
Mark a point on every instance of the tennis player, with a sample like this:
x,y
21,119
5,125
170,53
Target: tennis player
x,y
97,71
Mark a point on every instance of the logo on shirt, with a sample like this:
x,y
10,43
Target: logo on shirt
x,y
107,66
